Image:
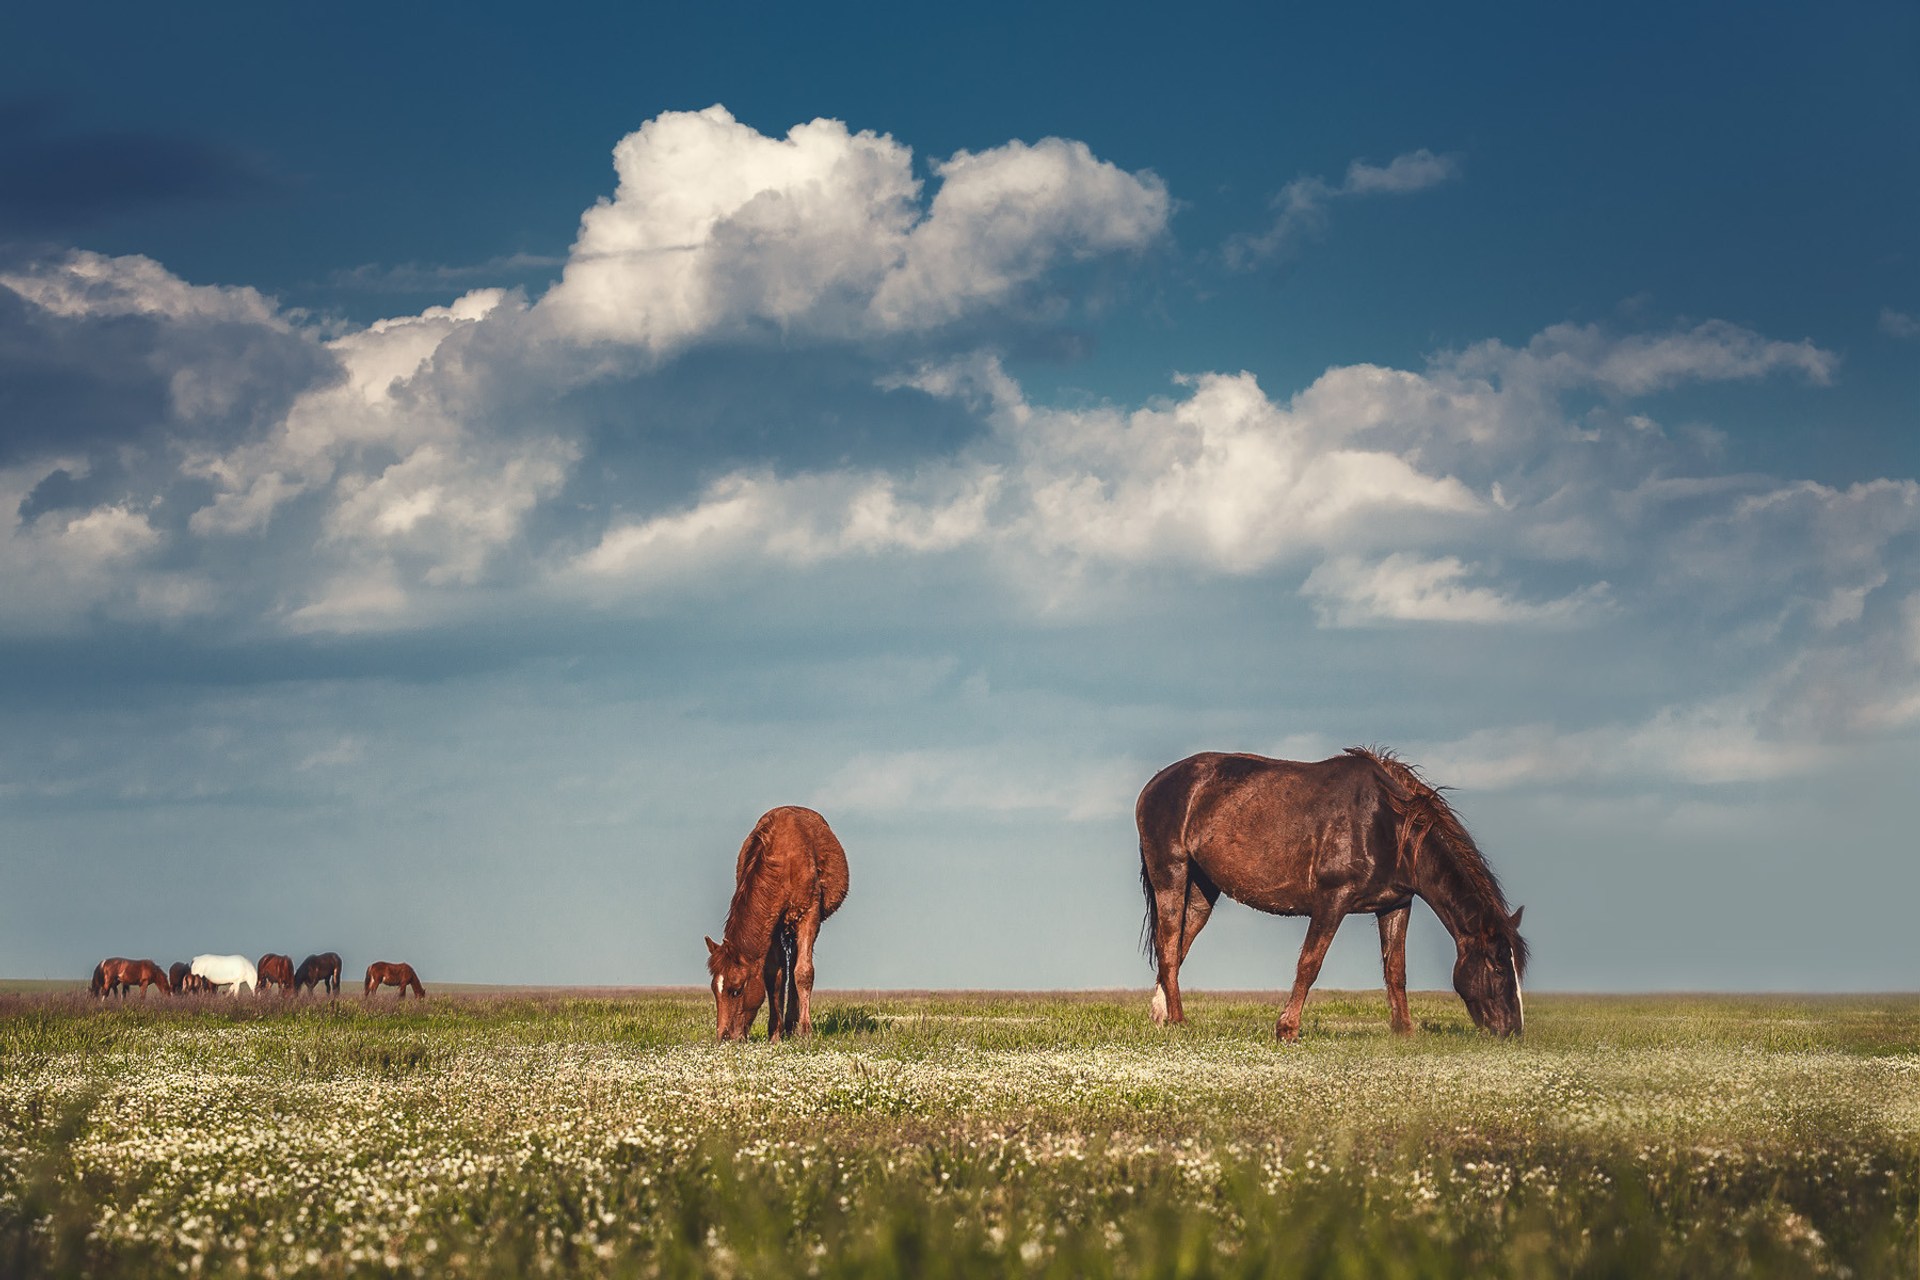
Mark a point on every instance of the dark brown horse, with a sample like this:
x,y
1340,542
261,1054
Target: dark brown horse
x,y
790,876
1360,832
276,970
322,970
117,975
383,974
185,981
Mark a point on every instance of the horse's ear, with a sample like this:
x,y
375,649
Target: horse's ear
x,y
1514,919
712,946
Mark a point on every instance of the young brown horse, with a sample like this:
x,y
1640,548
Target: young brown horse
x,y
117,975
276,970
790,876
1360,832
185,981
382,974
322,970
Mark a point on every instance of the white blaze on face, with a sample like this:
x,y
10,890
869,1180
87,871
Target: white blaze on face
x,y
1519,997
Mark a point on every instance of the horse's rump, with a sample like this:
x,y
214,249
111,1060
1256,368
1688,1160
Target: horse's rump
x,y
277,969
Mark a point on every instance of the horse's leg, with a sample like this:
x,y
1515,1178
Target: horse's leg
x,y
793,987
1393,962
1320,931
773,978
1169,881
1202,893
804,932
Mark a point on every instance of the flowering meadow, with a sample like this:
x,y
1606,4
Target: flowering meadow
x,y
604,1134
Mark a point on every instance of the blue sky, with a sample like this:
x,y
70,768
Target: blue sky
x,y
456,471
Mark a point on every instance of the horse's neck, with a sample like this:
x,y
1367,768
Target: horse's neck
x,y
1451,892
750,925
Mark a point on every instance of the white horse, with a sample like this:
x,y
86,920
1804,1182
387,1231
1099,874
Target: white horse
x,y
228,971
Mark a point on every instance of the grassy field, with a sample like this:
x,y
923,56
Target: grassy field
x,y
953,1134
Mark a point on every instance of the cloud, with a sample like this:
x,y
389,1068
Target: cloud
x,y
1713,743
440,278
629,443
976,781
1898,324
1349,592
1566,356
1301,206
717,229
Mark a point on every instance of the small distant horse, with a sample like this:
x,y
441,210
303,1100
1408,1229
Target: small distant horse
x,y
382,974
276,970
233,972
1360,832
185,981
117,975
790,875
322,970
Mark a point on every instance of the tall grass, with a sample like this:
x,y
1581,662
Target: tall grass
x,y
951,1135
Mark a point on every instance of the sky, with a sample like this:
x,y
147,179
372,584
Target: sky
x,y
459,467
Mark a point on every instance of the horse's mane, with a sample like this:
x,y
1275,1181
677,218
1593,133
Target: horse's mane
x,y
1423,808
748,912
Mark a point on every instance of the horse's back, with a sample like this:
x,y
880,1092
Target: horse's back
x,y
799,844
1266,831
226,970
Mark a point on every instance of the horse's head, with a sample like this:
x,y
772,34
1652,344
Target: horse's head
x,y
739,989
1486,973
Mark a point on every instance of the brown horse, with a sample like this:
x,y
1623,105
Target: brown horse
x,y
791,875
1360,832
276,970
382,974
322,970
184,980
117,975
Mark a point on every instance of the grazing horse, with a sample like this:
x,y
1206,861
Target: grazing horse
x,y
277,970
791,874
322,970
234,972
1360,832
117,975
382,974
184,980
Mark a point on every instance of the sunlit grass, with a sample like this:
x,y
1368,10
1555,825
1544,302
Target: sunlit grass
x,y
957,1134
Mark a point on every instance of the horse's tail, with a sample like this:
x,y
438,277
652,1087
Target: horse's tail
x,y
1149,923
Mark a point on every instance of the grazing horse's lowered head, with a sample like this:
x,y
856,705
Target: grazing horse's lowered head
x,y
1486,972
739,989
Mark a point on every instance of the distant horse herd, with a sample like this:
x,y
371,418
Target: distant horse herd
x,y
118,976
1361,832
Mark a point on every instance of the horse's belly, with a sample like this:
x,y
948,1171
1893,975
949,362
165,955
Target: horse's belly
x,y
1264,888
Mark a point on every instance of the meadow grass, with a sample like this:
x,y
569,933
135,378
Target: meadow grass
x,y
950,1134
